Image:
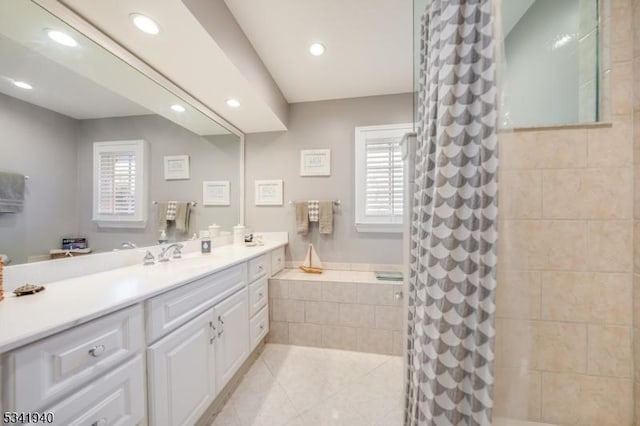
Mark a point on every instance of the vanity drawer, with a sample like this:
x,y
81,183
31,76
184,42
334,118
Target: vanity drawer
x,y
258,267
259,326
117,398
277,260
170,310
258,295
50,368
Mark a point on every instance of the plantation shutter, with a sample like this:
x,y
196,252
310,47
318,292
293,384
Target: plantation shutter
x,y
117,183
383,177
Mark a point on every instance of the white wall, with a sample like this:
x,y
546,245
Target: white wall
x,y
326,124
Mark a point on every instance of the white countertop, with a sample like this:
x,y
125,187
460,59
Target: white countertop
x,y
64,304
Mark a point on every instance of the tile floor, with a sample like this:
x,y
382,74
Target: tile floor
x,y
296,386
305,386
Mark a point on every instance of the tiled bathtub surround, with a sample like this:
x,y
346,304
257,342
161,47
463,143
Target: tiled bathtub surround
x,y
564,300
336,309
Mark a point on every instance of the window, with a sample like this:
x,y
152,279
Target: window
x,y
379,177
119,184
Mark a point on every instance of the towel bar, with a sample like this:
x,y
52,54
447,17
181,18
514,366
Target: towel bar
x,y
193,203
335,202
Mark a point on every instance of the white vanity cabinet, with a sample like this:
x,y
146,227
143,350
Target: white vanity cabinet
x,y
232,336
37,375
190,365
182,373
260,269
190,341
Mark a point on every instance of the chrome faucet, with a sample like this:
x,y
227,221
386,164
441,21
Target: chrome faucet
x,y
128,245
175,248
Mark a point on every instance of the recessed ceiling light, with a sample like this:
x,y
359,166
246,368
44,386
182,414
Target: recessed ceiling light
x,y
233,103
144,23
178,108
23,85
317,49
62,38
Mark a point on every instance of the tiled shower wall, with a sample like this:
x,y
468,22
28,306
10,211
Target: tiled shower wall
x,y
565,313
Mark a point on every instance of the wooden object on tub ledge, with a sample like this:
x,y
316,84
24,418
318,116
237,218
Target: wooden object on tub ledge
x,y
61,254
312,263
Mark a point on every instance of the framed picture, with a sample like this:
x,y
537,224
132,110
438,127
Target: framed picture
x,y
176,167
269,193
215,193
315,162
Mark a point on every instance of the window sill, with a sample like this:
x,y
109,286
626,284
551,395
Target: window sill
x,y
394,228
120,224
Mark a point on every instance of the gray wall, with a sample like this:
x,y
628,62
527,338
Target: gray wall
x,y
543,82
326,124
212,158
41,144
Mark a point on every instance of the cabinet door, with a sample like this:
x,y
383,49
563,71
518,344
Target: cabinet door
x,y
181,369
232,347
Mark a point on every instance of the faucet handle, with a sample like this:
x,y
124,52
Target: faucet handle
x,y
149,259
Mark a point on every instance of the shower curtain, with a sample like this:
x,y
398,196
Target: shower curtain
x,y
454,218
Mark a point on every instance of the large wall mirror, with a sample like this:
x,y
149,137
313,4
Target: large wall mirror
x,y
555,73
60,94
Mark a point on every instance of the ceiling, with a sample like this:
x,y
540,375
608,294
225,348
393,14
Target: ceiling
x,y
186,54
67,79
56,88
369,45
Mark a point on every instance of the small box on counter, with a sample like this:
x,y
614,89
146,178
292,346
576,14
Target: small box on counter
x,y
74,243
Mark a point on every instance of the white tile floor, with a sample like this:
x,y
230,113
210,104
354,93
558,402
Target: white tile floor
x,y
296,386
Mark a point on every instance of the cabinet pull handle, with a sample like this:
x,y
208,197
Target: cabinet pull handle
x,y
221,322
101,422
96,351
260,268
213,332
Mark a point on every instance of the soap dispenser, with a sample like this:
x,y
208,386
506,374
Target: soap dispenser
x,y
163,237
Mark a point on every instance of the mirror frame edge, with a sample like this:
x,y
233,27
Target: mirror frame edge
x,y
77,22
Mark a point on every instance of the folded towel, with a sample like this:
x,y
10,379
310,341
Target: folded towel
x,y
12,186
182,216
325,213
171,210
302,217
162,216
313,210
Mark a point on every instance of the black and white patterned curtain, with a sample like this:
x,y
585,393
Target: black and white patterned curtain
x,y
454,219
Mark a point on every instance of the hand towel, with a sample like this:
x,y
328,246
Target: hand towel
x,y
302,217
325,212
182,217
162,216
313,210
171,210
12,186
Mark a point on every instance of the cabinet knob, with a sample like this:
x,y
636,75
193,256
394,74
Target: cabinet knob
x,y
261,295
100,422
96,351
260,268
261,326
